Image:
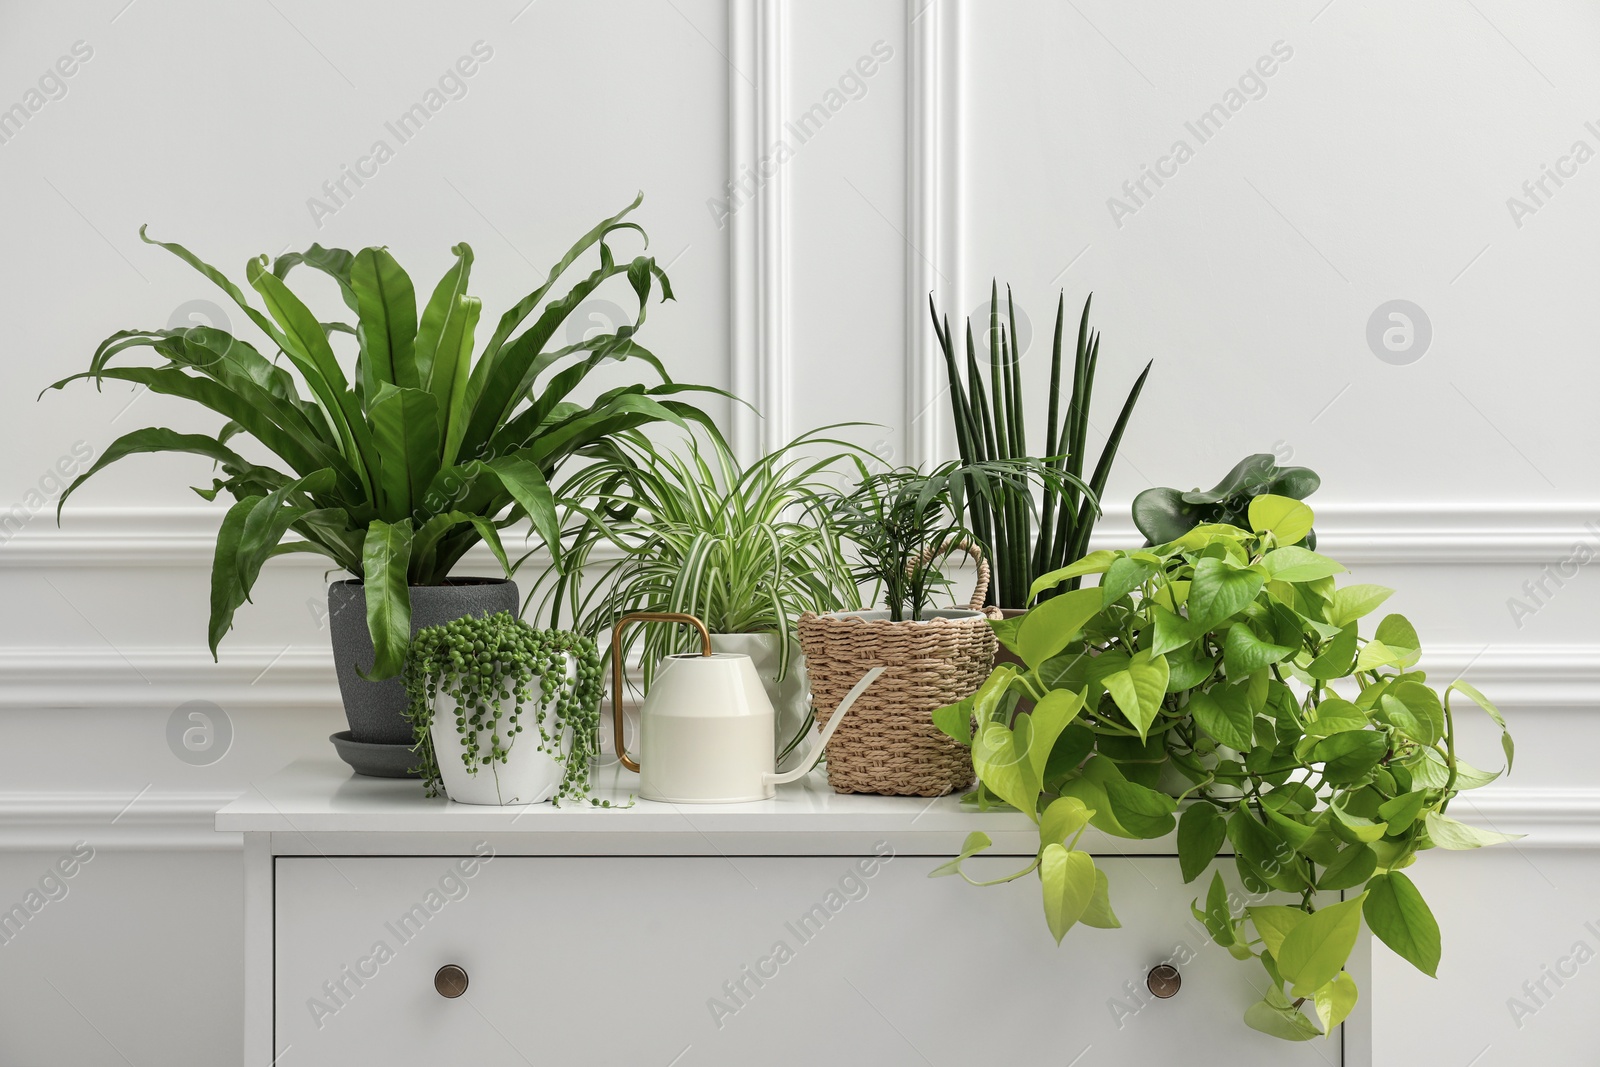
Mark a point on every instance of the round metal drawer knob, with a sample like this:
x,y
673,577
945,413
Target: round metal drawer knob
x,y
450,981
1163,980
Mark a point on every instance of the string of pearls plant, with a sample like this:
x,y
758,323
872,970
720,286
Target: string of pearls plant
x,y
491,667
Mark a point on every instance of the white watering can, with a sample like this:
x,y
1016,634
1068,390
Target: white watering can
x,y
707,728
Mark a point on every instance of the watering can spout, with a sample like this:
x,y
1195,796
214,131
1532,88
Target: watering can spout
x,y
821,743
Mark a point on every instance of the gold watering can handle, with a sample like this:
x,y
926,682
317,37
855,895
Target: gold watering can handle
x,y
616,666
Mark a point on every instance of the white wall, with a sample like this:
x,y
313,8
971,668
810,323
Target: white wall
x,y
1375,165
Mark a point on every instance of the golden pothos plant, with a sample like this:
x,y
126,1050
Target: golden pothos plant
x,y
1220,687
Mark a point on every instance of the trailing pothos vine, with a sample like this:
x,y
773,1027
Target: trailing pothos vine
x,y
1227,670
505,676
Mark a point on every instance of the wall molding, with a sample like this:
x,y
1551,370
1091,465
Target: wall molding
x,y
1551,818
758,226
1354,533
163,677
1427,534
119,537
149,822
75,678
933,214
1553,676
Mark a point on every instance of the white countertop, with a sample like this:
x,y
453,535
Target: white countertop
x,y
320,795
317,802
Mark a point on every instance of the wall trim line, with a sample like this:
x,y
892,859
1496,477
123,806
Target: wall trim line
x,y
1354,533
73,676
758,227
933,215
41,821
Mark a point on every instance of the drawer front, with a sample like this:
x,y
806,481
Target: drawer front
x,y
701,961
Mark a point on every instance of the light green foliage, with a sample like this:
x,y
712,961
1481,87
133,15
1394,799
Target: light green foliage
x,y
1226,670
1068,879
746,549
396,470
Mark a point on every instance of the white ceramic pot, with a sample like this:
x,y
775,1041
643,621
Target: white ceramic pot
x,y
529,775
791,697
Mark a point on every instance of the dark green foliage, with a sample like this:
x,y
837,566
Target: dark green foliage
x,y
1164,515
1027,541
396,471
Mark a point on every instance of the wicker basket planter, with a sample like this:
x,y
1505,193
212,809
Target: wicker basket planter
x,y
888,743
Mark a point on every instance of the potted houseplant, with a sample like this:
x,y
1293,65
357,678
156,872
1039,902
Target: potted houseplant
x,y
1026,539
396,470
1219,686
746,549
1163,514
902,524
503,713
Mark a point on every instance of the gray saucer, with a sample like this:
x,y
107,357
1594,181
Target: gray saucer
x,y
378,761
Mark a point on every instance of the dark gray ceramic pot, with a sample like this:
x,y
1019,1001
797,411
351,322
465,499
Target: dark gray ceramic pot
x,y
376,709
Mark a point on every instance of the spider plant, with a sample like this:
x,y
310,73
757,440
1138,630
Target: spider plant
x,y
747,549
395,471
990,425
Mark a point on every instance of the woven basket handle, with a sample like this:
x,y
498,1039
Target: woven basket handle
x,y
980,591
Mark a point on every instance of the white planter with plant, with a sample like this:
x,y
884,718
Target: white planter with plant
x,y
781,666
503,713
746,549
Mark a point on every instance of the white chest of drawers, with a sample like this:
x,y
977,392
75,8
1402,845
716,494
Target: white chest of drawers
x,y
802,930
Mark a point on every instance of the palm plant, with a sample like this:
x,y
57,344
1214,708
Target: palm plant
x,y
990,426
747,549
900,521
395,472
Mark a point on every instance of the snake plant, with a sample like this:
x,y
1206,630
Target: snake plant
x,y
395,471
990,426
